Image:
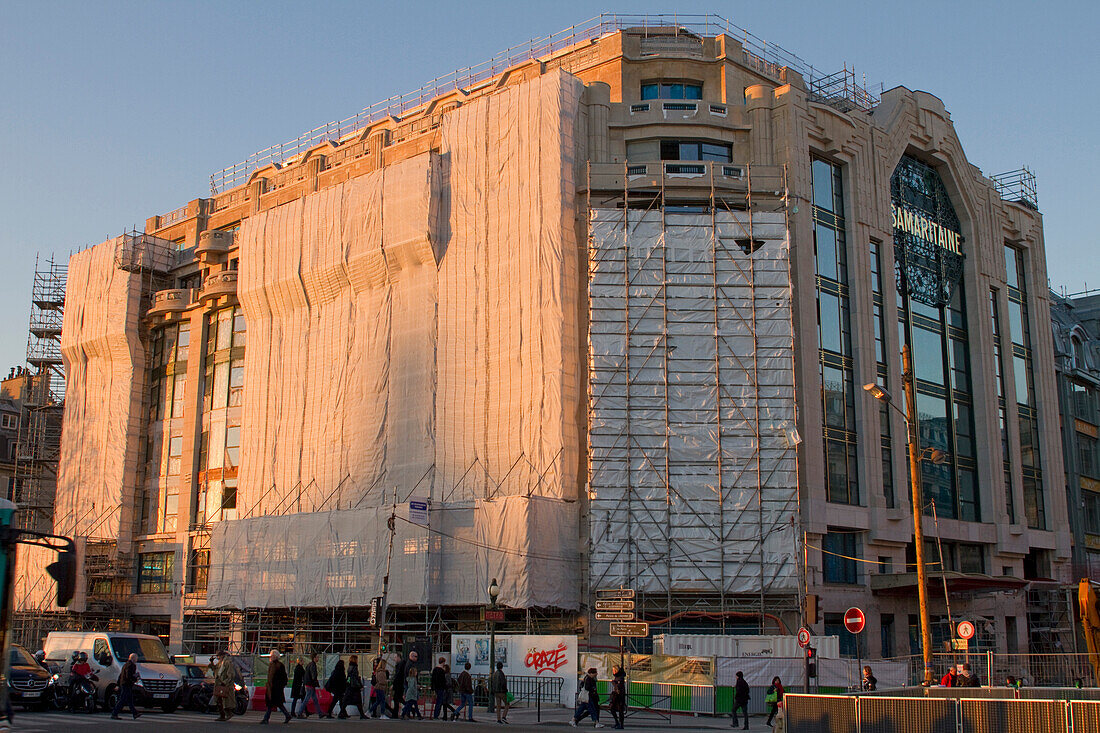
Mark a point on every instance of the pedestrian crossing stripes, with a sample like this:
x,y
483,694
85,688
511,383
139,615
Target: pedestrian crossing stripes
x,y
36,722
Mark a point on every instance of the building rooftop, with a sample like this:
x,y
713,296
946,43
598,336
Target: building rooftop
x,y
839,89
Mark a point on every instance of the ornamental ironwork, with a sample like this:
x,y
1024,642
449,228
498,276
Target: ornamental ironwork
x,y
927,235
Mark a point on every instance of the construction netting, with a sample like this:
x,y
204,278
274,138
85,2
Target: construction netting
x,y
415,331
692,399
339,558
105,368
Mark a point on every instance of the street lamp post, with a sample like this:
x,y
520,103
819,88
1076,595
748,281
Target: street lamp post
x,y
910,416
494,592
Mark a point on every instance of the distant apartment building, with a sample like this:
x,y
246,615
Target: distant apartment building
x,y
1077,361
598,315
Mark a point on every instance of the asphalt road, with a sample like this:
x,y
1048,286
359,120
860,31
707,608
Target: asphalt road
x,y
181,722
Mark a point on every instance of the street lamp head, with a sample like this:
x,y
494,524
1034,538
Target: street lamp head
x,y
494,590
937,457
877,392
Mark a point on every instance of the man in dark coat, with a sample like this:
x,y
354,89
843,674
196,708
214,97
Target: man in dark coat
x,y
439,687
275,694
741,699
127,678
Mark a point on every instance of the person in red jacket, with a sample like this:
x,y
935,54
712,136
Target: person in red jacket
x,y
951,679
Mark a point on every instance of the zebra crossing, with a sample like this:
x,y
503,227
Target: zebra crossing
x,y
33,722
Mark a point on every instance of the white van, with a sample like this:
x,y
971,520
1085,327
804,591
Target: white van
x,y
159,684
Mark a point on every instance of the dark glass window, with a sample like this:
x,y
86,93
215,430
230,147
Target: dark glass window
x,y
928,355
155,572
832,331
826,185
696,150
840,558
834,626
1012,270
1033,502
828,261
672,90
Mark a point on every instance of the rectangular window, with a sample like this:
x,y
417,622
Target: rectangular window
x,y
1091,500
155,571
672,90
232,446
696,150
886,630
1086,456
840,553
175,451
1033,502
198,571
834,626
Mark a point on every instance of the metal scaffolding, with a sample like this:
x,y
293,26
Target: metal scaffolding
x,y
692,461
39,441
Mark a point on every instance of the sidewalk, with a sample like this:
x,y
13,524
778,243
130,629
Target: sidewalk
x,y
641,721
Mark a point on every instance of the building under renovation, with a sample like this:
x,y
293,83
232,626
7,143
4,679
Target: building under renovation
x,y
594,314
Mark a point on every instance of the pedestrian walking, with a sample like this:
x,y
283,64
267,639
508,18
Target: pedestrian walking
x,y
127,678
310,683
498,686
589,704
337,683
379,682
226,679
275,692
868,683
449,705
741,697
353,692
465,685
400,672
297,687
773,698
616,701
412,694
439,687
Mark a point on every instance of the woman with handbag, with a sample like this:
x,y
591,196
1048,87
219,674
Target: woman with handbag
x,y
353,693
226,677
773,698
336,685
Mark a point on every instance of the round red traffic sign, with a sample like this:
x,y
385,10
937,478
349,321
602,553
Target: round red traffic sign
x,y
965,630
803,637
854,620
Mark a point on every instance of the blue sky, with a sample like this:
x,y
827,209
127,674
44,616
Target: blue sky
x,y
112,112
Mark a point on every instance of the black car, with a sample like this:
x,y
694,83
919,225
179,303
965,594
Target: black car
x,y
27,679
194,683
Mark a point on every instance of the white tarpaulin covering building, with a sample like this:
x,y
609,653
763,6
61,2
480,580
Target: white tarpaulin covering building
x,y
416,328
692,398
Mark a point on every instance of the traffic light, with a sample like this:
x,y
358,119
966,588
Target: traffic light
x,y
811,662
63,570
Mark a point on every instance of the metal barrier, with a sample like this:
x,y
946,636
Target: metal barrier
x,y
1037,670
940,713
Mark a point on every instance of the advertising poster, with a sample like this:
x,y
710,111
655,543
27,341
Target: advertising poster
x,y
523,656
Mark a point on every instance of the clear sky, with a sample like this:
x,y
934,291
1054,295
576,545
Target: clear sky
x,y
111,112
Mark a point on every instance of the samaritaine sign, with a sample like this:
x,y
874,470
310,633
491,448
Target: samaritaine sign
x,y
927,236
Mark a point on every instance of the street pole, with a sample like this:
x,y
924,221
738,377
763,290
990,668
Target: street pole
x,y
918,504
391,523
494,591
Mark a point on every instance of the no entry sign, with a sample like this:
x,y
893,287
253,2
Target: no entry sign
x,y
854,620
